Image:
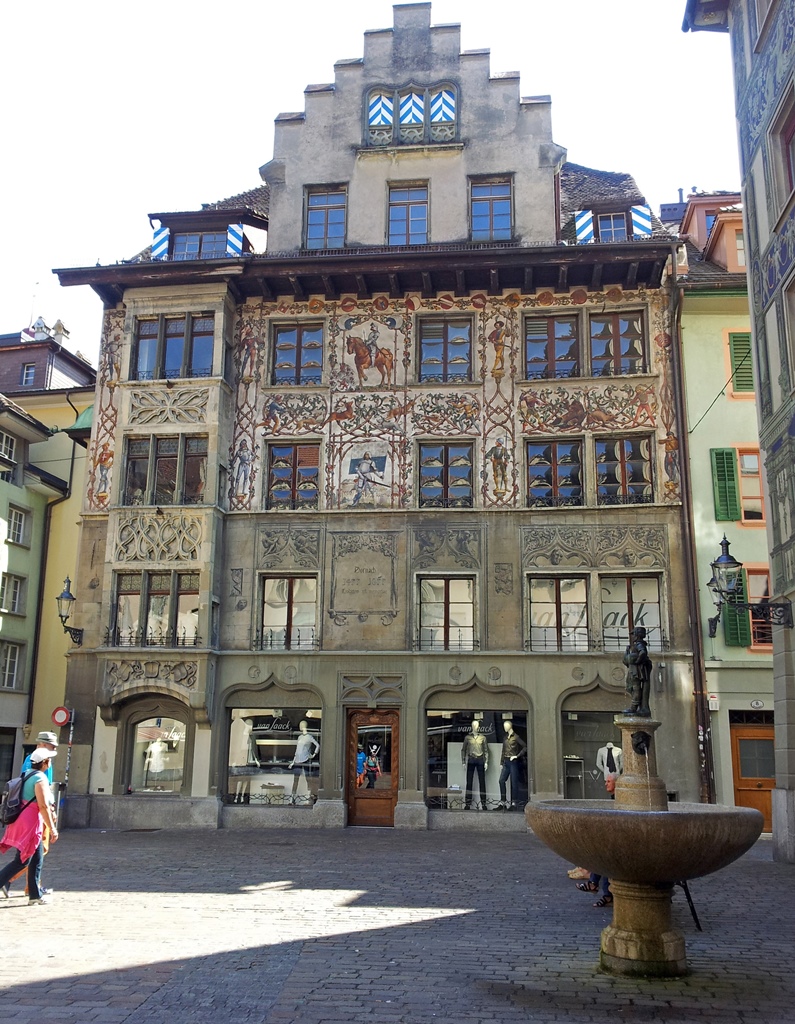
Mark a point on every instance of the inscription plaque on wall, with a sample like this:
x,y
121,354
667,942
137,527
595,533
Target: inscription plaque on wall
x,y
363,576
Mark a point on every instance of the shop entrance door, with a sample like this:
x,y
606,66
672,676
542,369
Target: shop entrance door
x,y
372,767
753,767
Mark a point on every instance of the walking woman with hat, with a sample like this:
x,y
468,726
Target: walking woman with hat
x,y
25,834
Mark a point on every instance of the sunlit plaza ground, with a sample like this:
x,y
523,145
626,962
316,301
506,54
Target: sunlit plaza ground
x,y
368,925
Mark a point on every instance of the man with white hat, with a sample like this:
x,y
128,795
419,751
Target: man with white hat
x,y
48,740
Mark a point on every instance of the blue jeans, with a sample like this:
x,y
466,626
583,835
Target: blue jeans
x,y
510,769
34,871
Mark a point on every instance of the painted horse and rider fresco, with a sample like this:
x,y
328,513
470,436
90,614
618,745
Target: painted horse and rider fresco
x,y
368,354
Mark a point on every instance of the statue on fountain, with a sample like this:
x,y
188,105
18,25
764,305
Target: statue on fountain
x,y
636,658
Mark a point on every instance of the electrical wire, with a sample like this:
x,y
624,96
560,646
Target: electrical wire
x,y
722,390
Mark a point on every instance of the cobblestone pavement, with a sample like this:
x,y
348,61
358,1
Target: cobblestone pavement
x,y
369,926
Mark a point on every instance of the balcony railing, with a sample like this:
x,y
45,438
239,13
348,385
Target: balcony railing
x,y
462,640
608,641
624,499
305,639
151,638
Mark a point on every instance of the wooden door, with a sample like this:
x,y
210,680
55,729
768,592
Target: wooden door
x,y
753,767
372,767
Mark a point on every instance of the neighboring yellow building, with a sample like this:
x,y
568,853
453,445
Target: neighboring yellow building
x,y
55,387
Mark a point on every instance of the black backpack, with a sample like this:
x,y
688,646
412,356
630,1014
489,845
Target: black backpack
x,y
12,804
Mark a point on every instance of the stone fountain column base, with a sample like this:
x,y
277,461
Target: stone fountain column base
x,y
641,939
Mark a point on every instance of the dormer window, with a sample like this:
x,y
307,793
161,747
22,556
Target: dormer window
x,y
411,116
612,226
199,245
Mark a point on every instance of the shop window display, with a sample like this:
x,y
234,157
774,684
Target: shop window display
x,y
477,761
274,756
590,753
159,756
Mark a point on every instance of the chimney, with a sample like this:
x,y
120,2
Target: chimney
x,y
41,332
60,333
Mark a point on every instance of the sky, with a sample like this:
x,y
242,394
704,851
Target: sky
x,y
116,110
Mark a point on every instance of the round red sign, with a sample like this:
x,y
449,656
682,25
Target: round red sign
x,y
61,716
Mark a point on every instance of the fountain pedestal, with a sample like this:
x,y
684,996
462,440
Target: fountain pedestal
x,y
641,939
644,847
639,787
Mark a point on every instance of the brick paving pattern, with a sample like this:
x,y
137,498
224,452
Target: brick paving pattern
x,y
370,926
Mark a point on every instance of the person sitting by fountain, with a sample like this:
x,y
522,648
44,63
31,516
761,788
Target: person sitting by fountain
x,y
636,658
593,885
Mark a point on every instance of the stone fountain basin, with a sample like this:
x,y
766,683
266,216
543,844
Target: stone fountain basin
x,y
686,841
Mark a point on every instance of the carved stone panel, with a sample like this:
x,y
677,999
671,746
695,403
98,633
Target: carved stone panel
x,y
288,547
626,547
363,581
372,690
446,547
149,537
156,673
161,405
503,577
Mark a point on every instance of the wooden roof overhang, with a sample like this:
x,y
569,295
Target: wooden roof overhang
x,y
212,219
459,270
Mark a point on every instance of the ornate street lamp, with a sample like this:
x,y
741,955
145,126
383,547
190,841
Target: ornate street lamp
x,y
65,603
723,588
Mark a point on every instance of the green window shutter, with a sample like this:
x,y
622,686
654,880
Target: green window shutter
x,y
742,362
725,484
736,622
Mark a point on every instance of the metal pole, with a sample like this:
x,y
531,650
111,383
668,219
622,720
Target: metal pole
x,y
63,786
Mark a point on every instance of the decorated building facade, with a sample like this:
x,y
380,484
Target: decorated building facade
x,y
374,505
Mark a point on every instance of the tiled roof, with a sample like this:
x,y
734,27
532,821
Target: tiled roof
x,y
256,199
582,188
703,272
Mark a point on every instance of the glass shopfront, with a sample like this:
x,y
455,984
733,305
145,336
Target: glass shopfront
x,y
477,760
158,756
591,750
274,756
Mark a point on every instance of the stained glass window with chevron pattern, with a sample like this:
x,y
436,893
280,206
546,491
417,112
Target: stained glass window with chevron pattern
x,y
411,116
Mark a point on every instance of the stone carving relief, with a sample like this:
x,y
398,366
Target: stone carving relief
x,y
148,537
288,547
448,545
161,405
363,581
236,585
123,676
595,546
503,577
371,690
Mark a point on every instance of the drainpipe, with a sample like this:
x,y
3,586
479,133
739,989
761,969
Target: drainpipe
x,y
44,550
703,723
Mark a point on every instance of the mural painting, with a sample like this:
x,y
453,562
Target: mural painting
x,y
612,407
106,412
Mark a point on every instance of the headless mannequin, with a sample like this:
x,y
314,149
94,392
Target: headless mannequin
x,y
240,754
512,749
306,747
475,757
603,758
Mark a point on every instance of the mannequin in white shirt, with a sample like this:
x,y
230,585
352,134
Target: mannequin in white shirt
x,y
603,759
306,747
